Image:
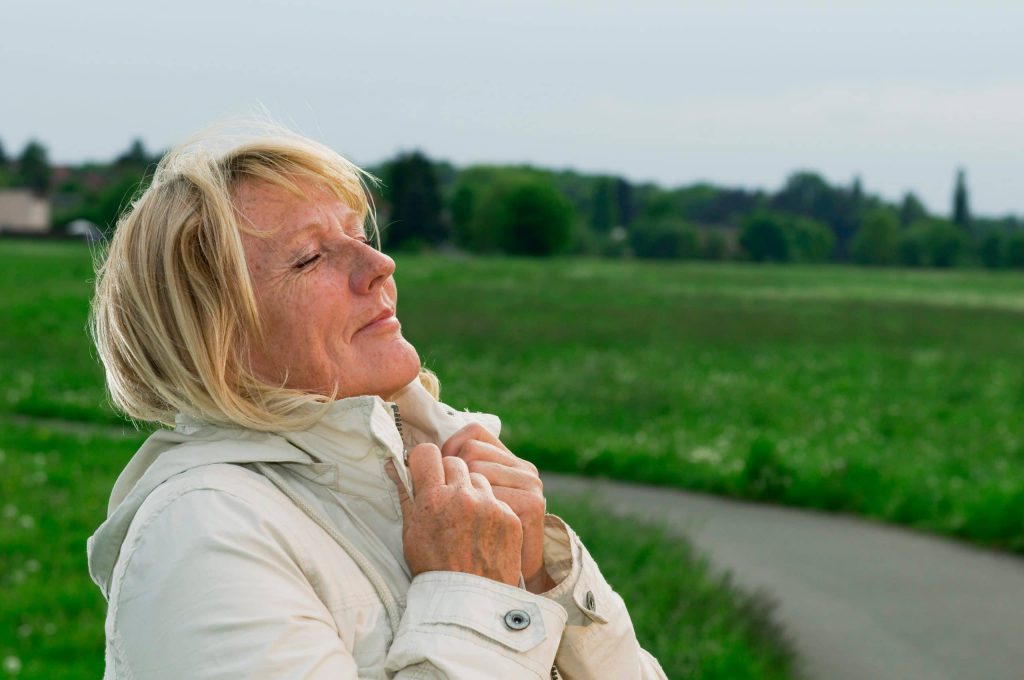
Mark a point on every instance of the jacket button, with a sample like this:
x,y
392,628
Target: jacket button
x,y
517,619
589,601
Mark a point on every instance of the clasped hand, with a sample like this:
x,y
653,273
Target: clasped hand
x,y
476,509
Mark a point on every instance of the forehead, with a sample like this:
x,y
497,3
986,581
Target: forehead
x,y
282,214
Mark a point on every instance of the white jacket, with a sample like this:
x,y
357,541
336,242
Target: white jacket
x,y
238,554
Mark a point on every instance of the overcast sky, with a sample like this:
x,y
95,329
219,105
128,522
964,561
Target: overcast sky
x,y
737,93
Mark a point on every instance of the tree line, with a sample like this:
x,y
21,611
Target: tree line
x,y
424,204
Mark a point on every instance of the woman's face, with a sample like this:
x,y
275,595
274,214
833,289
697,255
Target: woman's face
x,y
325,295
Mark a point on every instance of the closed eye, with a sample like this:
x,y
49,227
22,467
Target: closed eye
x,y
306,261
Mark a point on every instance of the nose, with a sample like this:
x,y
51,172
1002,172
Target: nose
x,y
371,271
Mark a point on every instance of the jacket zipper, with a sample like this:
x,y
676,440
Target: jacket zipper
x,y
401,434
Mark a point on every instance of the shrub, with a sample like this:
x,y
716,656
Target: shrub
x,y
518,212
763,238
664,239
877,240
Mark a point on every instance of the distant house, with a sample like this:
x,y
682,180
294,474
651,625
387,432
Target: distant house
x,y
23,212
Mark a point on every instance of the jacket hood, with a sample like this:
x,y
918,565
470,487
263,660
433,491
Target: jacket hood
x,y
193,444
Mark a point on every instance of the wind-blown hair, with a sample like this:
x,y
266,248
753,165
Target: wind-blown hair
x,y
174,313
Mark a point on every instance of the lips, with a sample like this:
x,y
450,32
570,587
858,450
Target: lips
x,y
387,313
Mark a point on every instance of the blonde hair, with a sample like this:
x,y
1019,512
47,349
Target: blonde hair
x,y
174,310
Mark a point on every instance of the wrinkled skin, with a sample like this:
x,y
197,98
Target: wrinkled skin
x,y
319,284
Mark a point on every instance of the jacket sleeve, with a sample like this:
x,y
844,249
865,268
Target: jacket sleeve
x,y
598,640
210,586
460,626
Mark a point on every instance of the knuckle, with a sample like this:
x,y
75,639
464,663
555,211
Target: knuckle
x,y
453,464
466,501
475,429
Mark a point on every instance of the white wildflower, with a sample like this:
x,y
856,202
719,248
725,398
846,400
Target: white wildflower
x,y
12,665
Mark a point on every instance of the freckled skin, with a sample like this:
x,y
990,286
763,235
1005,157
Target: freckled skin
x,y
311,314
317,285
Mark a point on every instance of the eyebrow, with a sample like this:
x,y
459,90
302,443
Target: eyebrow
x,y
349,225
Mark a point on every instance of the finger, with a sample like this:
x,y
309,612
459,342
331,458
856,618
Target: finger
x,y
524,504
425,467
475,449
455,472
503,475
480,483
404,502
471,431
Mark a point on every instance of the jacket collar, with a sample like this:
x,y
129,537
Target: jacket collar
x,y
347,443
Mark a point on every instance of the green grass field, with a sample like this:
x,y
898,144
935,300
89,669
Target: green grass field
x,y
891,394
61,448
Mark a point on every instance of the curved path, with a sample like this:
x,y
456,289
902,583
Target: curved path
x,y
861,601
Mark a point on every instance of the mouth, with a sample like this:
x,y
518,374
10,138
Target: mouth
x,y
386,316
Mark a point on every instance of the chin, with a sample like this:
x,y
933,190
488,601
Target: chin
x,y
398,370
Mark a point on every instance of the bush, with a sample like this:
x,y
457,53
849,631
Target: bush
x,y
763,238
934,243
713,246
1015,250
992,250
809,240
773,237
518,212
664,239
877,240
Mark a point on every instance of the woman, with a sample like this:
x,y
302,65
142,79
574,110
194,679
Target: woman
x,y
315,512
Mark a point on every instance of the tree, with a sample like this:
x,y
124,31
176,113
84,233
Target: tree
x,y
807,194
624,208
945,244
33,168
415,199
933,242
135,155
877,240
911,210
992,249
854,210
763,238
469,194
602,215
961,208
911,249
665,239
713,246
809,240
1015,250
3,155
514,211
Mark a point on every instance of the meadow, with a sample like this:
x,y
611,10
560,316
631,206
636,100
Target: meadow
x,y
61,447
886,393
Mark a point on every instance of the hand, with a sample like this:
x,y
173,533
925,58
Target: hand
x,y
455,523
514,481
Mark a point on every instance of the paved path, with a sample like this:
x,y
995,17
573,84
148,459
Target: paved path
x,y
861,601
